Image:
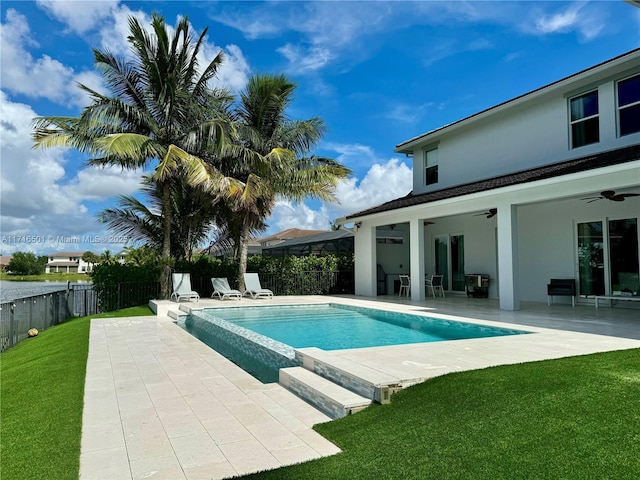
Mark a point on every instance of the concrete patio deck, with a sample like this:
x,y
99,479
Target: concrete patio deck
x,y
160,404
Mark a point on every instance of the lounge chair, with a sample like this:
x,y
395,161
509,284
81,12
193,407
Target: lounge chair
x,y
222,289
182,287
252,286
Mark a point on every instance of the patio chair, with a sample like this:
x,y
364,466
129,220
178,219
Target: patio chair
x,y
436,284
405,285
182,287
222,289
253,288
428,285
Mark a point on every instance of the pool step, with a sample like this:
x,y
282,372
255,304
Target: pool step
x,y
358,378
332,399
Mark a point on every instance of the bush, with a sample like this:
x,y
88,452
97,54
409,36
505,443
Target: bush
x,y
26,263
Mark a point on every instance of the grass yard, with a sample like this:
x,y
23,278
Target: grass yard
x,y
51,277
573,418
42,392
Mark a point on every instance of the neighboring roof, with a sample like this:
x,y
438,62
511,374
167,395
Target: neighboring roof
x,y
399,147
66,254
590,162
5,259
288,234
310,239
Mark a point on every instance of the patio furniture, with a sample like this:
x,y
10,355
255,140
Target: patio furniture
x,y
182,287
476,285
428,285
405,285
253,288
436,284
562,287
222,289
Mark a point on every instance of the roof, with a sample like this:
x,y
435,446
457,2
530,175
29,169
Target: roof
x,y
5,259
325,236
66,254
590,162
289,233
400,147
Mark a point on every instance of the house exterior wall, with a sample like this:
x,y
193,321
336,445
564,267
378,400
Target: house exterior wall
x,y
528,133
533,236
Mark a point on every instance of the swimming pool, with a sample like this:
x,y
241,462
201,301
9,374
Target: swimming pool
x,y
263,339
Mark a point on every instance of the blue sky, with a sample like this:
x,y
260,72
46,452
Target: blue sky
x,y
378,73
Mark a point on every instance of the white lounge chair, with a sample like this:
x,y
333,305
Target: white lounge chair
x,y
182,287
222,289
252,286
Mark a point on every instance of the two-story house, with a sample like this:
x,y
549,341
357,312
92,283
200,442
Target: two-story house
x,y
67,262
546,185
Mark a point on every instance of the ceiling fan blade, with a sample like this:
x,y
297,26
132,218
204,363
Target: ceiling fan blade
x,y
594,200
624,195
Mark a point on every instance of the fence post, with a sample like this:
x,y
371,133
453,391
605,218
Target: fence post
x,y
12,326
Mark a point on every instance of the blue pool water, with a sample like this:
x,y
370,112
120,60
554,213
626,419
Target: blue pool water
x,y
261,340
337,327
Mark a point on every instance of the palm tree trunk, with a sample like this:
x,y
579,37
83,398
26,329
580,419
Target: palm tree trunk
x,y
165,275
244,249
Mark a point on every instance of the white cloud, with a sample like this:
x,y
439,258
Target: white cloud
x,y
306,59
586,19
38,197
384,181
42,77
80,16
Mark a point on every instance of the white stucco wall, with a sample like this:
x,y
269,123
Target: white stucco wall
x,y
525,135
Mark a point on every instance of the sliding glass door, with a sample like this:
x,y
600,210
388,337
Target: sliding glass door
x,y
608,257
449,261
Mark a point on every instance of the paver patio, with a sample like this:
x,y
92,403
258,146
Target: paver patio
x,y
160,404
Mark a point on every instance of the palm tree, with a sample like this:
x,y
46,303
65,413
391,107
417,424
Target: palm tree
x,y
157,112
268,157
192,212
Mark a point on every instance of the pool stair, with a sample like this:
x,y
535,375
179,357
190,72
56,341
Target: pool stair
x,y
332,399
335,384
179,312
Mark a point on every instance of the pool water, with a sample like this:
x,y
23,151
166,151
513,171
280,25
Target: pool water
x,y
338,327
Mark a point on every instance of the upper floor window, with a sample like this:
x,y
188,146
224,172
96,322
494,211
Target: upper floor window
x,y
431,166
629,105
585,123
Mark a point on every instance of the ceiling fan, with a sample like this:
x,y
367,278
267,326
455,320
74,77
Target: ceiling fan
x,y
611,195
489,213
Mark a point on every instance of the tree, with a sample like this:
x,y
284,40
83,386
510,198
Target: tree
x,y
26,263
268,157
91,258
156,113
192,216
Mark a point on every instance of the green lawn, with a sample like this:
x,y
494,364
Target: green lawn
x,y
574,418
42,390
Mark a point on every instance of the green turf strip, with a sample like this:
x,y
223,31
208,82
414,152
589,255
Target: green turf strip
x,y
574,418
41,394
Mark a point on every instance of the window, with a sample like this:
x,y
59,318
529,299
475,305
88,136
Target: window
x,y
585,126
431,166
629,105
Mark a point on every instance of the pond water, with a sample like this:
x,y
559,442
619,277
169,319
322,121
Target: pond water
x,y
10,290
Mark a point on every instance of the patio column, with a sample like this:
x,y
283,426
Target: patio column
x,y
416,254
365,261
509,289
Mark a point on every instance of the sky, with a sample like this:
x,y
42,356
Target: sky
x,y
377,73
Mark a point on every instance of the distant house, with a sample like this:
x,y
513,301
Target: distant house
x,y
256,245
4,262
67,262
318,244
546,185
